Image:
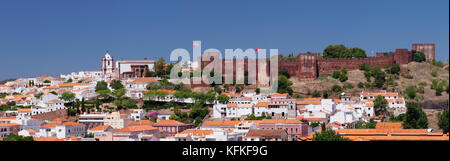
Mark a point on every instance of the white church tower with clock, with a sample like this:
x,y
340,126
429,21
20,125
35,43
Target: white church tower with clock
x,y
107,66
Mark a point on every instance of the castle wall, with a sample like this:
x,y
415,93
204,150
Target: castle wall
x,y
309,66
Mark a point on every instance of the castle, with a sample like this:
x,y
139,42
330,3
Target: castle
x,y
310,66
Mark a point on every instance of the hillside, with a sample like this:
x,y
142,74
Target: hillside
x,y
420,72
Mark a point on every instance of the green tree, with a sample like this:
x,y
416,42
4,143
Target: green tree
x,y
336,88
358,53
104,93
129,103
70,80
149,73
411,92
101,85
47,81
119,93
379,75
336,74
443,120
343,77
68,96
361,85
348,86
419,57
328,135
316,93
284,72
257,90
239,88
326,93
395,69
14,137
284,85
415,118
380,105
116,84
223,98
364,67
434,73
159,67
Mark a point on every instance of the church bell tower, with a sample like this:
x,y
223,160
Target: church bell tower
x,y
107,65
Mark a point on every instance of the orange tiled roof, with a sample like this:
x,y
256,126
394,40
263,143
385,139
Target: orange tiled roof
x,y
264,133
141,122
100,128
144,80
51,87
369,104
51,138
51,124
24,110
10,124
195,132
314,119
262,104
279,95
312,99
32,92
389,125
72,84
285,121
308,102
221,123
168,123
232,95
139,128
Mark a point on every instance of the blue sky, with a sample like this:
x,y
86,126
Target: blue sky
x,y
57,37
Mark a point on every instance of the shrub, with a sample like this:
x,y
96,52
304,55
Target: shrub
x,y
361,85
434,73
343,78
336,88
336,74
348,86
411,92
316,93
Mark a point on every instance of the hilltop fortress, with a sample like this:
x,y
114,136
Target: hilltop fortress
x,y
310,66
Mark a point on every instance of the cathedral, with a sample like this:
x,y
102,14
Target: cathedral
x,y
125,68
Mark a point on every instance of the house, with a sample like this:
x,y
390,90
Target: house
x,y
266,135
136,133
171,127
28,132
294,127
115,120
137,114
101,130
136,88
92,120
9,128
69,129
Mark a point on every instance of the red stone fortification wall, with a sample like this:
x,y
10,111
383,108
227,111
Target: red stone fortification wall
x,y
327,66
309,66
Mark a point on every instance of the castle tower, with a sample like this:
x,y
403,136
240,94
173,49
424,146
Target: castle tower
x,y
107,65
427,49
